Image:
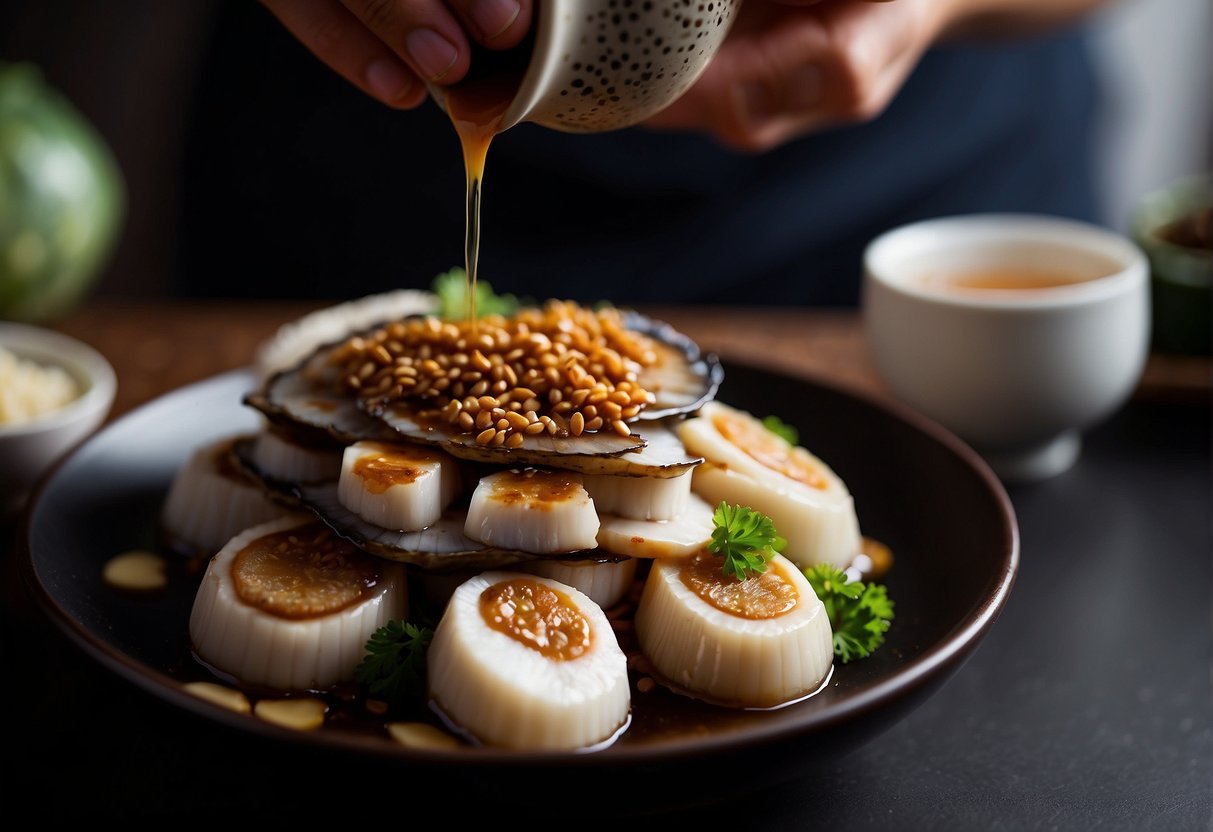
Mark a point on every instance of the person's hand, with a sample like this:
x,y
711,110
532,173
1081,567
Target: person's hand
x,y
791,67
391,49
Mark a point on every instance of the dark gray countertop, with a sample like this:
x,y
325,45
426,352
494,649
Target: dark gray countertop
x,y
1089,706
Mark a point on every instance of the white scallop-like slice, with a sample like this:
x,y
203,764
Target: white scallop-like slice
x,y
532,510
604,582
640,498
527,662
293,341
280,457
746,464
210,499
402,487
290,605
825,531
758,643
681,537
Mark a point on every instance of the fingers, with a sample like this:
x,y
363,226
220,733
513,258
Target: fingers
x,y
431,36
801,69
496,24
393,49
423,33
342,42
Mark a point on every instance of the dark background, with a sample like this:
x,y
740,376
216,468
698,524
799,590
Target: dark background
x,y
137,69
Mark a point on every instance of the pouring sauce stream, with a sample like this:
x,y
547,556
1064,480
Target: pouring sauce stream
x,y
476,106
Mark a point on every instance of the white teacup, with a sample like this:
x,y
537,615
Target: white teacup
x,y
1018,372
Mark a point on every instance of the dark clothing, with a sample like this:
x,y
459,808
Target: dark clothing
x,y
298,185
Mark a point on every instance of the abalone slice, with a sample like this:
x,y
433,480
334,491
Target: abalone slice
x,y
683,378
663,455
307,397
539,449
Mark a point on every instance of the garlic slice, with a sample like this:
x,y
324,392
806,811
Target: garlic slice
x,y
527,662
758,643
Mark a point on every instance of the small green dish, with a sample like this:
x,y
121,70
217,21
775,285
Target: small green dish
x,y
1172,226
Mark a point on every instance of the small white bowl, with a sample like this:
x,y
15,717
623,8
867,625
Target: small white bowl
x,y
1018,372
29,449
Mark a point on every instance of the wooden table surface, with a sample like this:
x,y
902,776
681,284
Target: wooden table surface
x,y
157,346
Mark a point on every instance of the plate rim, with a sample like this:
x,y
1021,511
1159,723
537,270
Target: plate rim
x,y
934,664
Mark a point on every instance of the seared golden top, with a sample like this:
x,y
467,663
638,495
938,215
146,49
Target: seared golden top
x,y
536,616
384,466
769,449
766,595
303,572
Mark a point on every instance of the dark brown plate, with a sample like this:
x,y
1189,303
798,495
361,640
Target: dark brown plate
x,y
917,489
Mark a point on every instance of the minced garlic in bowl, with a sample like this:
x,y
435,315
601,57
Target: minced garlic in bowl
x,y
29,389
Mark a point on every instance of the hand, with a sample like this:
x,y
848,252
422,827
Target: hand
x,y
789,68
390,49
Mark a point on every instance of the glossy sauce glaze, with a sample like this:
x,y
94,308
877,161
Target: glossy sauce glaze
x,y
537,616
768,595
305,572
769,450
389,466
538,490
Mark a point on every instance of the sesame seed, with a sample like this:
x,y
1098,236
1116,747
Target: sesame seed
x,y
548,361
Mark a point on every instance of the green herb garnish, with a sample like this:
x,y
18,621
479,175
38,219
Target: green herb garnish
x,y
781,429
745,538
859,613
452,290
393,668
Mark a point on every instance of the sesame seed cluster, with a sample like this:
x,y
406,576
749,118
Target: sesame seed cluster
x,y
560,369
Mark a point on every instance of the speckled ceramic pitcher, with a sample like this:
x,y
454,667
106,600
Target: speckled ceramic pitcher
x,y
599,65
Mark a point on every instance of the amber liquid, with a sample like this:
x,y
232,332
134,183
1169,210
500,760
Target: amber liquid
x,y
476,107
1006,279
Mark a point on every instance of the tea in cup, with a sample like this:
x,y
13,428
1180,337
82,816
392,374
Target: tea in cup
x,y
1016,332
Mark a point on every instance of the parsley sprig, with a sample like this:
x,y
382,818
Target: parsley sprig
x,y
745,538
860,613
393,668
452,291
781,429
